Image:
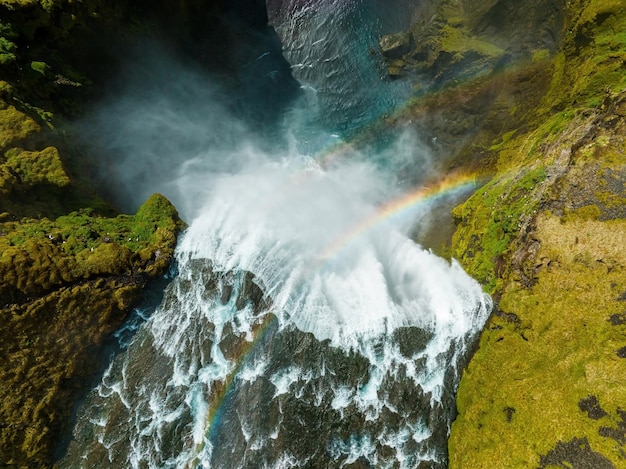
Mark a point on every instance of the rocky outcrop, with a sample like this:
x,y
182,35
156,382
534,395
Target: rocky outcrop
x,y
70,267
67,281
452,42
66,286
544,234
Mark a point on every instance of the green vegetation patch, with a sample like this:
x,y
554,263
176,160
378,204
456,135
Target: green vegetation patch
x,y
37,167
50,346
592,63
548,349
15,126
7,51
39,255
453,39
491,219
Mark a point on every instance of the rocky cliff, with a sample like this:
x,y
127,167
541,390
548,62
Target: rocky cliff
x,y
71,268
531,96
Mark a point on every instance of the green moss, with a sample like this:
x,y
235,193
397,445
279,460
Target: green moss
x,y
593,59
565,350
13,4
36,167
7,51
491,219
504,139
65,285
559,279
454,39
588,212
540,54
51,344
37,255
15,126
39,67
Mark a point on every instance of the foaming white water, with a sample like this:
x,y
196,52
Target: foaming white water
x,y
276,222
294,334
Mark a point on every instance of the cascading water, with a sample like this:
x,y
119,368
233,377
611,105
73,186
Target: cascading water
x,y
267,354
304,328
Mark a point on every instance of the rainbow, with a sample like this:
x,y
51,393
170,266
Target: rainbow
x,y
453,183
221,389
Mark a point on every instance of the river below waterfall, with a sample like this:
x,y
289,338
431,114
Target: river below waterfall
x,y
303,327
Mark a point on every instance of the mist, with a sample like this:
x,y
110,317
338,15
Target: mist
x,y
171,126
284,200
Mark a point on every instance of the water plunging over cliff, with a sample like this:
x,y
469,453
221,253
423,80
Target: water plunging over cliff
x,y
304,328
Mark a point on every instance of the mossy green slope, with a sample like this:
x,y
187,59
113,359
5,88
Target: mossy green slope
x,y
546,236
66,286
71,268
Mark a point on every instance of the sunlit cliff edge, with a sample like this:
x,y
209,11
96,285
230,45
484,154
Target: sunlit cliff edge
x,y
532,95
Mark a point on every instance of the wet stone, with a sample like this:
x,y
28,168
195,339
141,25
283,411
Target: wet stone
x,y
360,463
591,405
394,46
575,454
227,291
618,319
411,340
250,292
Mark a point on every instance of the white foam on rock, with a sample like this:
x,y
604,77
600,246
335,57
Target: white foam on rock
x,y
276,222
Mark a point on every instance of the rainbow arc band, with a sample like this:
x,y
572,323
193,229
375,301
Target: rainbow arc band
x,y
220,390
451,184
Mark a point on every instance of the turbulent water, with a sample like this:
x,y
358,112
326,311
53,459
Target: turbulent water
x,y
303,328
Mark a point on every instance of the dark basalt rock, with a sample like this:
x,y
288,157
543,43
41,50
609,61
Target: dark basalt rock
x,y
575,454
591,405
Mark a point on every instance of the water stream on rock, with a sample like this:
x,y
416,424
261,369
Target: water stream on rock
x,y
304,327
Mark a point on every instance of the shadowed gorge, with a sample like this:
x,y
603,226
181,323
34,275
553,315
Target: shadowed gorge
x,y
402,242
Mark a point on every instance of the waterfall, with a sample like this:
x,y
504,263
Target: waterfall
x,y
304,327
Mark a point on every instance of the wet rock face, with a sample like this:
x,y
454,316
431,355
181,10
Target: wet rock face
x,y
307,419
451,42
218,381
122,402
